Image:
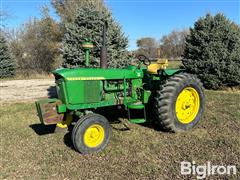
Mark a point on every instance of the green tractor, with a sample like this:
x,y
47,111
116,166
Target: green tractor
x,y
176,98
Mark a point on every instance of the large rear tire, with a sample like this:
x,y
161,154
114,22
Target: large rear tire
x,y
179,103
91,133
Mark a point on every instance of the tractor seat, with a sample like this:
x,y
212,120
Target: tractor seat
x,y
161,64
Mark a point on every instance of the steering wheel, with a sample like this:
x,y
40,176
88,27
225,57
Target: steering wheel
x,y
144,59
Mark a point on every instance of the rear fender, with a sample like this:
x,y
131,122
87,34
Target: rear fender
x,y
170,72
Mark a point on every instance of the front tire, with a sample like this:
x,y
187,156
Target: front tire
x,y
91,133
179,104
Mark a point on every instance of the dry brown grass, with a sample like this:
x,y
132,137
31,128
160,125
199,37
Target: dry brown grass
x,y
141,152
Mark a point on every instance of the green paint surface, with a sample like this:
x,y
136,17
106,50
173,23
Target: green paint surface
x,y
99,73
90,88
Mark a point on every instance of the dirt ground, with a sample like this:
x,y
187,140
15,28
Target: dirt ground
x,y
25,90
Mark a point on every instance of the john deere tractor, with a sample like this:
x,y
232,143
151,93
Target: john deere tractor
x,y
176,98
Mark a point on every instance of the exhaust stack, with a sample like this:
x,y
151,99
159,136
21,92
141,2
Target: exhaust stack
x,y
103,56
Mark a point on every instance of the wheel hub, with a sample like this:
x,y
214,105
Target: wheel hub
x,y
94,135
187,105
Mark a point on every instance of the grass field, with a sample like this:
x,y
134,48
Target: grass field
x,y
141,152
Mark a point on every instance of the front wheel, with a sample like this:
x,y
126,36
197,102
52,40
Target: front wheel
x,y
91,134
179,104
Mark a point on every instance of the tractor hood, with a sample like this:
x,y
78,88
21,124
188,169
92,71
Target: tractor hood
x,y
98,74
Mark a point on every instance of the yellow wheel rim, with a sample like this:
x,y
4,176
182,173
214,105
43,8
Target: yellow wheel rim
x,y
187,105
94,135
66,122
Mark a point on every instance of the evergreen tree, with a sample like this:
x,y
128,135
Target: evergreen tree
x,y
213,51
67,9
7,65
89,24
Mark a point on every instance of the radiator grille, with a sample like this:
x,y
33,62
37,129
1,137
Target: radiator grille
x,y
91,91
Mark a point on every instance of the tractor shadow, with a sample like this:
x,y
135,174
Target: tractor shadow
x,y
68,140
41,129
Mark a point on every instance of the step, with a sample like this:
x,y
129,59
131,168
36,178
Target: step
x,y
137,105
136,121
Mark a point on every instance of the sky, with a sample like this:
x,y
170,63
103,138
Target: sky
x,y
138,18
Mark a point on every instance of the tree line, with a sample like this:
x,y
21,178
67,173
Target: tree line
x,y
210,49
171,46
41,45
